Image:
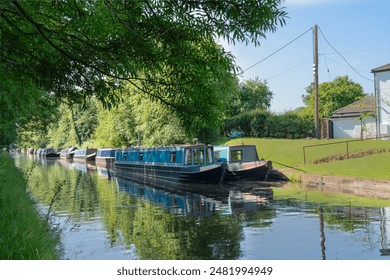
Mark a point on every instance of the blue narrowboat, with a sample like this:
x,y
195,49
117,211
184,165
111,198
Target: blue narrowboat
x,y
243,163
169,165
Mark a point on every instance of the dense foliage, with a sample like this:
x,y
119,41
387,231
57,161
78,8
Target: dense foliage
x,y
22,105
135,120
166,49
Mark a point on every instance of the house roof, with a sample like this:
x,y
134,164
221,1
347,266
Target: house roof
x,y
365,105
382,68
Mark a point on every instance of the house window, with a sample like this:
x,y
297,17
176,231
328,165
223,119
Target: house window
x,y
172,157
236,155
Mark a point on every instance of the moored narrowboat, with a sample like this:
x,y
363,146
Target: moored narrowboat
x,y
105,157
243,163
169,165
85,155
50,153
67,153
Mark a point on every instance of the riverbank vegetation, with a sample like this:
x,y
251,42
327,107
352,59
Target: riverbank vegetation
x,y
24,234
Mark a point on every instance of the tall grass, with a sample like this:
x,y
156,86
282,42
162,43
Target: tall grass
x,y
24,233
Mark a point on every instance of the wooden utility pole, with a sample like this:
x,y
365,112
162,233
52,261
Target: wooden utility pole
x,y
315,73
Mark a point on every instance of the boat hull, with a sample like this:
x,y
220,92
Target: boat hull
x,y
163,175
66,156
248,171
105,162
86,159
52,155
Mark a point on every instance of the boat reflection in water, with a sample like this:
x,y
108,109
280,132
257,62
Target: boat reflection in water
x,y
104,172
84,167
224,201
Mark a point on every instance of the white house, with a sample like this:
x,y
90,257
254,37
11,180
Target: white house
x,y
382,94
356,120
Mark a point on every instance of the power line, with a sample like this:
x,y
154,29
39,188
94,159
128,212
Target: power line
x,y
344,57
344,65
326,60
363,51
278,50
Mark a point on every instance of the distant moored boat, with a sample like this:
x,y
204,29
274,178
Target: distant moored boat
x,y
67,153
243,162
105,157
85,155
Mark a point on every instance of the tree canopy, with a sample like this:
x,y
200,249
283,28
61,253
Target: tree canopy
x,y
333,95
75,49
252,94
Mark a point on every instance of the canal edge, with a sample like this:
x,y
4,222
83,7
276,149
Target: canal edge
x,y
340,184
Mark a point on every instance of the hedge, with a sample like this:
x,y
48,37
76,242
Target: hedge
x,y
264,124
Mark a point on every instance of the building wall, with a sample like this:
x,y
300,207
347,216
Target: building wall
x,y
351,128
382,85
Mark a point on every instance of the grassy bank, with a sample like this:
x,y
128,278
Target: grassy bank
x,y
289,154
24,234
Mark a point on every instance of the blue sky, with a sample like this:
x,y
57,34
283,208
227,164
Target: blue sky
x,y
358,29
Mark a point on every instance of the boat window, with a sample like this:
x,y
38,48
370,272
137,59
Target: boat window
x,y
209,155
196,156
172,157
201,156
141,156
236,155
124,155
188,156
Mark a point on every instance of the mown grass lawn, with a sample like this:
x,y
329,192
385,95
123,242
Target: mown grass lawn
x,y
285,153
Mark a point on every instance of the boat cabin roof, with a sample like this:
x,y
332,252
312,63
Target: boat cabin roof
x,y
82,152
236,153
165,148
180,154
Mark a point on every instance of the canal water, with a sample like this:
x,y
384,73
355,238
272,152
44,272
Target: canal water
x,y
101,217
